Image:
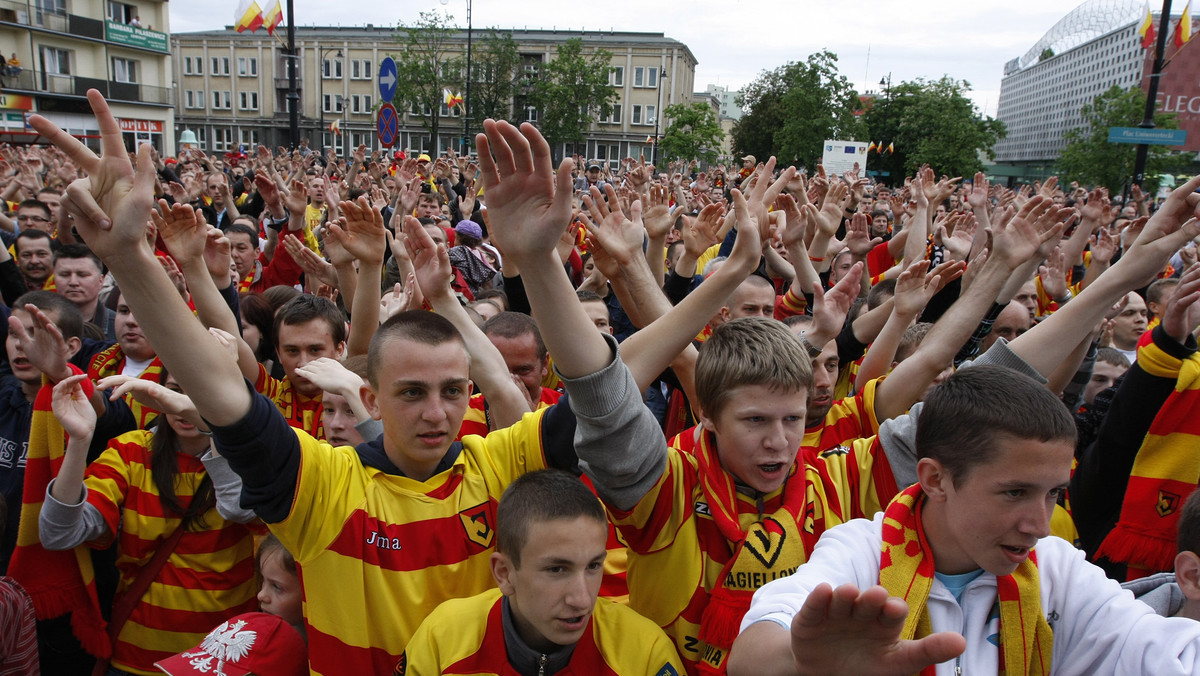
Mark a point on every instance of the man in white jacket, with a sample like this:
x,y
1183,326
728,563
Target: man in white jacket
x,y
968,544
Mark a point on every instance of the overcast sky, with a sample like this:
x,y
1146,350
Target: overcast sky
x,y
734,40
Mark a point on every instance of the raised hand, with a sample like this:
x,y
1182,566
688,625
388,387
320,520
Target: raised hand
x,y
978,197
657,216
1054,274
183,229
1182,315
329,375
847,631
296,199
72,408
528,206
43,345
310,261
620,237
401,299
858,236
360,231
111,206
149,393
430,261
700,234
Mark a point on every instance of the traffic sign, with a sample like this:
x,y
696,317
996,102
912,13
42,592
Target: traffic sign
x,y
387,79
1157,137
388,125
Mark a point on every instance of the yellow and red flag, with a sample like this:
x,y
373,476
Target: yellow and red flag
x,y
1183,27
249,16
891,148
1146,30
336,126
272,17
873,146
451,99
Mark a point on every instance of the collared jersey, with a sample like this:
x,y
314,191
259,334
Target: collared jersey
x,y
848,419
475,420
677,552
466,636
207,579
378,552
301,412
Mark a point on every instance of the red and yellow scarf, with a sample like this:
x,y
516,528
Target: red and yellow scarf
x,y
110,363
1165,472
59,582
772,547
906,570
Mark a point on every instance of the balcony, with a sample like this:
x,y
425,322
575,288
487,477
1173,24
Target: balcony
x,y
25,14
68,85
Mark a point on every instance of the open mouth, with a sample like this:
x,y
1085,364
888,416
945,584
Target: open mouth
x,y
1016,554
771,468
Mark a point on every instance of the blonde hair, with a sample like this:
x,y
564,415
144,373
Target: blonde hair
x,y
749,351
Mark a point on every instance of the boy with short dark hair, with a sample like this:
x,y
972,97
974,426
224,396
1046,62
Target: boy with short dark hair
x,y
958,547
546,617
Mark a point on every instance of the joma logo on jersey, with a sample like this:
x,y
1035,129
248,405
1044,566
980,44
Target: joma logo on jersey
x,y
382,541
477,523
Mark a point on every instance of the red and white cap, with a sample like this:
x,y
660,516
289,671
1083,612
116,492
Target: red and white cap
x,y
251,643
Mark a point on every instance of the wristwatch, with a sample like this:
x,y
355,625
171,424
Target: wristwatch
x,y
812,350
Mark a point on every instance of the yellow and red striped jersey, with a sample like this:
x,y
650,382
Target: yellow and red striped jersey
x,y
475,419
848,419
466,636
378,552
207,579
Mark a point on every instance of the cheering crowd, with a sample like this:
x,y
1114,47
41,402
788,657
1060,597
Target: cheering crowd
x,y
284,413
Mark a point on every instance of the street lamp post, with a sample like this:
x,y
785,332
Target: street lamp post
x,y
662,75
321,92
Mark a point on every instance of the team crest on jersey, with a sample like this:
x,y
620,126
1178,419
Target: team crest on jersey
x,y
401,666
477,522
766,541
1167,503
667,670
836,450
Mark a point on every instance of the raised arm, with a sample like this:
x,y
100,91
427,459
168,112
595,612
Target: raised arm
x,y
110,209
360,232
431,265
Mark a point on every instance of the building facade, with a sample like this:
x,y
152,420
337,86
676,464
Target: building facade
x,y
727,100
233,88
56,50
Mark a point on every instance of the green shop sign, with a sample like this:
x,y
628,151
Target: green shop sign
x,y
132,36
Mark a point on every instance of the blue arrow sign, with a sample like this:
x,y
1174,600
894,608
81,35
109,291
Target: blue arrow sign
x,y
387,79
1158,137
388,125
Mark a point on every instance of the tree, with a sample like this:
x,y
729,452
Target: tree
x,y
694,133
495,66
571,92
1091,160
791,110
425,66
930,122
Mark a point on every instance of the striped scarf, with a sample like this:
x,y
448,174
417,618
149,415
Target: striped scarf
x,y
770,548
58,582
906,570
1165,472
110,362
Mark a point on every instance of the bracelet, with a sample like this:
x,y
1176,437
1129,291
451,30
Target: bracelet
x,y
816,260
1065,298
812,350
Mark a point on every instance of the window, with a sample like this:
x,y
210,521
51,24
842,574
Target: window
x,y
360,69
220,65
202,133
639,77
56,61
248,100
221,100
250,139
360,103
193,65
193,99
530,71
121,12
362,139
248,66
614,116
124,70
616,77
651,77
222,139
332,103
636,117
331,69
531,114
650,119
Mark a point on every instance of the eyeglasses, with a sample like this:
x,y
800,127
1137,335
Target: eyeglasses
x,y
35,219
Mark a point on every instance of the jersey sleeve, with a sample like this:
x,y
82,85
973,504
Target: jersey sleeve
x,y
108,477
331,484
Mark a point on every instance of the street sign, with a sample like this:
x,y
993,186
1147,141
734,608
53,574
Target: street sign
x,y
388,125
387,79
1157,137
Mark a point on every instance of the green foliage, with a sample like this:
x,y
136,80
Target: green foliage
x,y
1047,53
1090,159
572,91
791,110
930,122
694,133
495,68
428,63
